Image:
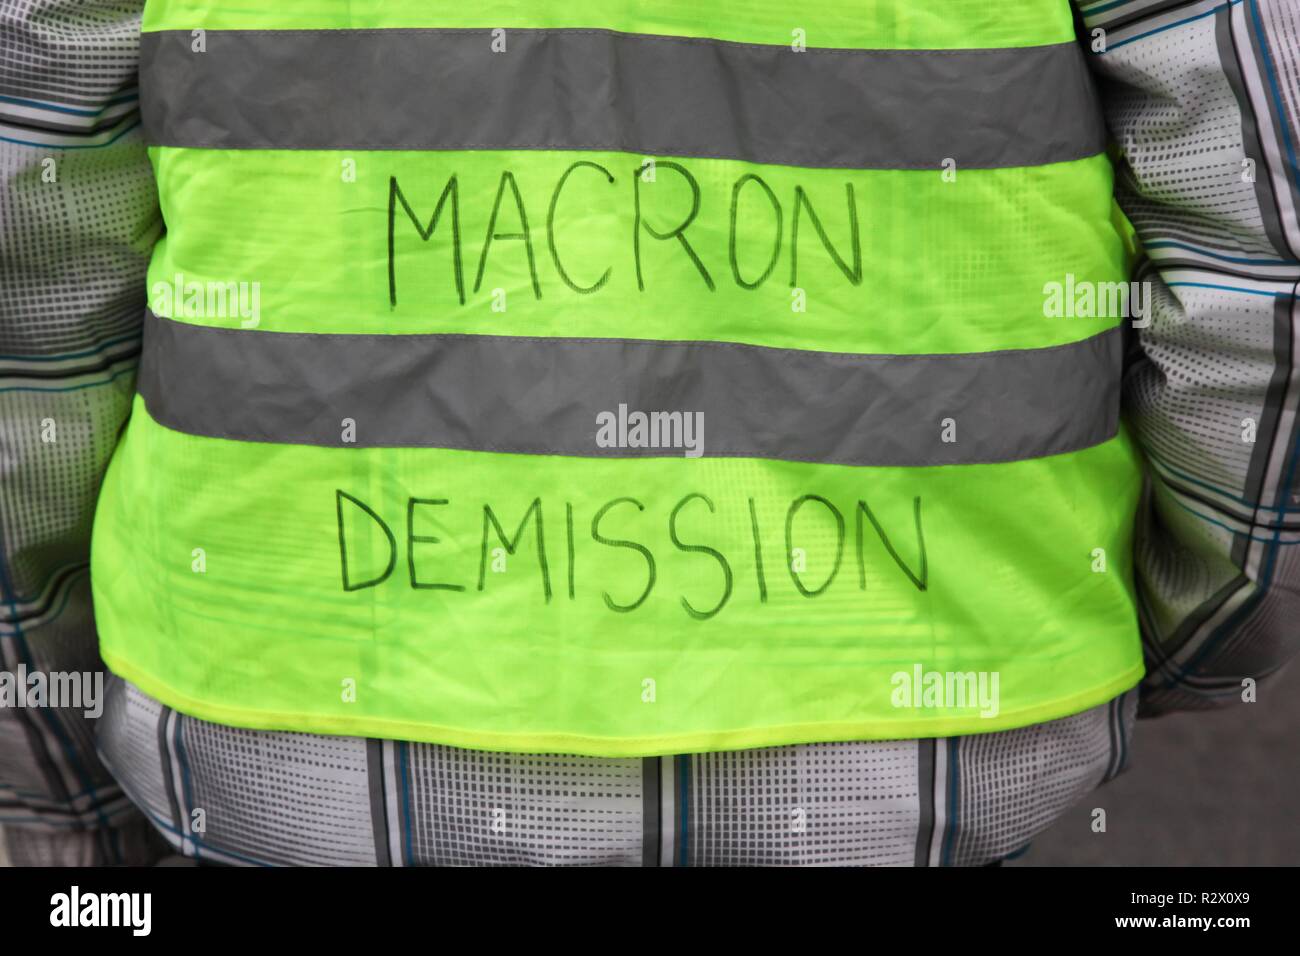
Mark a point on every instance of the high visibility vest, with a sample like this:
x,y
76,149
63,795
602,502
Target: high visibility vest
x,y
624,378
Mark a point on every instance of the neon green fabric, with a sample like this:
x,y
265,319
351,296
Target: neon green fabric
x,y
985,241
624,607
268,637
866,24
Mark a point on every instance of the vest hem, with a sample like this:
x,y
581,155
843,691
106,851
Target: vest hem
x,y
748,738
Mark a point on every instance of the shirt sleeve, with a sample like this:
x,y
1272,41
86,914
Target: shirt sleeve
x,y
78,218
1202,102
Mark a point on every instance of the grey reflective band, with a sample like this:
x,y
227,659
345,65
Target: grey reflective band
x,y
599,90
545,396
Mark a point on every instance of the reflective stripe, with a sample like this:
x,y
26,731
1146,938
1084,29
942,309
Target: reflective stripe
x,y
417,89
543,396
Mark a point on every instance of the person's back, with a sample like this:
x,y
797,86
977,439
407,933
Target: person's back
x,y
585,433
